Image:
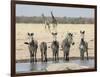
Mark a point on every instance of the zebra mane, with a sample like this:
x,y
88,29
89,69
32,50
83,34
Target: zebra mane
x,y
82,41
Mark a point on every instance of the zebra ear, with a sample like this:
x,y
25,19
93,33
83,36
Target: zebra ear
x,y
83,31
71,34
32,34
28,34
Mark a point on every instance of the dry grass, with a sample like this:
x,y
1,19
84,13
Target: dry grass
x,y
41,34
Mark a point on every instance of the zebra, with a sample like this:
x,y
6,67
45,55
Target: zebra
x,y
83,46
66,44
43,49
55,48
32,46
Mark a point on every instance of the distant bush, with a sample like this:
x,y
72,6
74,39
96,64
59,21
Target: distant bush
x,y
60,20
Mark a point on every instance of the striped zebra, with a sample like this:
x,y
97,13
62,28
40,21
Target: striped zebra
x,y
32,46
83,46
66,44
43,49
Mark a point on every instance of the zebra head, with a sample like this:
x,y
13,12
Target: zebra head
x,y
82,34
70,38
30,37
54,36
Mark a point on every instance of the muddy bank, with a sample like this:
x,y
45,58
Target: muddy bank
x,y
49,59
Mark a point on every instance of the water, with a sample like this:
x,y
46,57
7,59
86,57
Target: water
x,y
41,66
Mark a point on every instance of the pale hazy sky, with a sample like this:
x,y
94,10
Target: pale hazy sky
x,y
37,10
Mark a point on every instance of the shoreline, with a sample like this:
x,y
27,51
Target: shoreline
x,y
49,59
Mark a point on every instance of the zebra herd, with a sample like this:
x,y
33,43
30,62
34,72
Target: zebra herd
x,y
65,45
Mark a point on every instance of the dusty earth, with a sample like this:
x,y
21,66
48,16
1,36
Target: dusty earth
x,y
40,34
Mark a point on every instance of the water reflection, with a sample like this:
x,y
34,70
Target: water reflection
x,y
41,66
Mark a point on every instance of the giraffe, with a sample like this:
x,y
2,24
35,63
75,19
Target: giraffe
x,y
54,22
46,23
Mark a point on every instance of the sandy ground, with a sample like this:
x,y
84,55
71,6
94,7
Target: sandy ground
x,y
41,34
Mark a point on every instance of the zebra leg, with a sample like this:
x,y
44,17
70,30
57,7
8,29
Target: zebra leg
x,y
30,56
45,56
87,54
64,55
53,56
35,56
82,55
41,55
67,56
58,55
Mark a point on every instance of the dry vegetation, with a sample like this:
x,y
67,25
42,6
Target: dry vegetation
x,y
41,34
